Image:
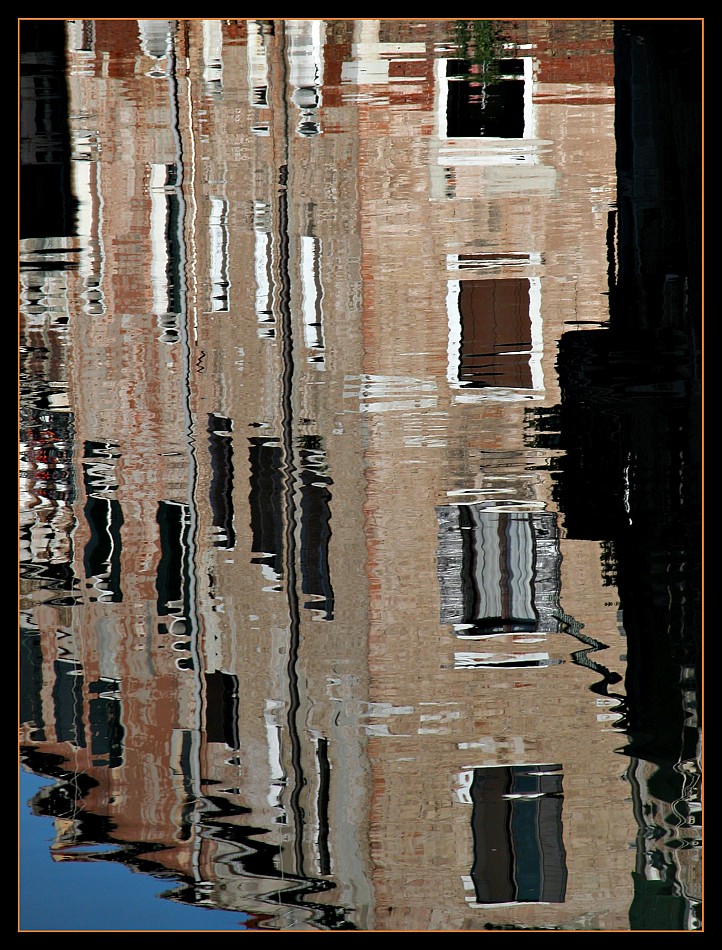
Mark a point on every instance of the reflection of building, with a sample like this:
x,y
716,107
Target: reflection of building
x,y
503,699
313,312
195,682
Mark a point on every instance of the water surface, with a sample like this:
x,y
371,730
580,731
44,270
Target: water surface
x,y
360,493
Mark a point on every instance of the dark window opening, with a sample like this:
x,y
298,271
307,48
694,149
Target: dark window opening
x,y
496,340
516,822
47,204
266,504
185,771
101,558
220,447
171,582
175,277
316,529
222,709
106,730
489,105
68,703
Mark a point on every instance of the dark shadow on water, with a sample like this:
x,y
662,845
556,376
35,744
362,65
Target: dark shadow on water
x,y
629,423
47,205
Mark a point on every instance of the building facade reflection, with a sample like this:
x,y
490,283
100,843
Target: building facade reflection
x,y
320,642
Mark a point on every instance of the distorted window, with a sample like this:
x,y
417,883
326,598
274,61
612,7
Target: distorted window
x,y
266,504
502,661
495,339
213,58
322,801
499,572
220,446
68,703
106,730
156,37
493,101
166,263
47,204
488,260
182,770
267,517
101,559
31,683
306,61
174,234
489,104
173,523
312,300
222,708
258,72
218,234
81,35
263,261
519,853
315,527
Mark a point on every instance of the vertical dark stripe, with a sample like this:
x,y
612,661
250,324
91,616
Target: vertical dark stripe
x,y
221,706
173,568
68,703
220,447
101,557
492,868
31,683
287,424
516,822
284,303
174,224
106,730
186,768
266,503
324,783
315,533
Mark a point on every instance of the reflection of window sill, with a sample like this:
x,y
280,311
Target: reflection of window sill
x,y
495,394
467,661
492,152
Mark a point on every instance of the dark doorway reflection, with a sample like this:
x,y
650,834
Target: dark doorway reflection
x,y
171,580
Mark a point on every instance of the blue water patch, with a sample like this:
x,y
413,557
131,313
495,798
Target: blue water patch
x,y
80,896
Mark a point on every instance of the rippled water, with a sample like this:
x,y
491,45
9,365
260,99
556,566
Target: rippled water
x,y
360,492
